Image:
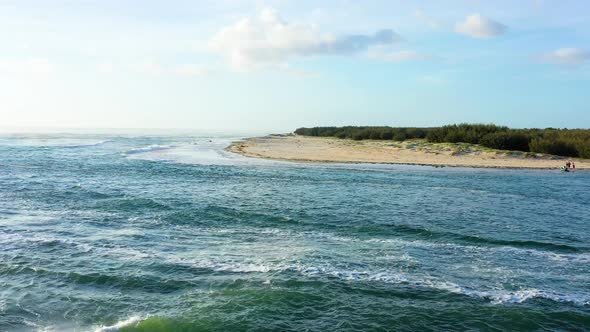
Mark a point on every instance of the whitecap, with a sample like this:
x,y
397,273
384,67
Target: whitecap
x,y
83,145
121,324
149,148
520,296
494,296
233,267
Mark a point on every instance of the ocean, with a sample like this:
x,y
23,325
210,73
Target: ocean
x,y
136,232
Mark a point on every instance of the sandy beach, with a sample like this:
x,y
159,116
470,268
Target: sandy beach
x,y
413,152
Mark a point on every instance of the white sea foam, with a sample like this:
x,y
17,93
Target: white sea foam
x,y
204,152
83,144
558,257
324,269
126,253
234,267
576,258
402,244
15,240
243,268
495,296
520,296
131,321
149,148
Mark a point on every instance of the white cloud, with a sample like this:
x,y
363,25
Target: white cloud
x,y
268,39
477,26
401,56
567,56
27,66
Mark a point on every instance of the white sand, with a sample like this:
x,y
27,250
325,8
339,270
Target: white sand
x,y
417,152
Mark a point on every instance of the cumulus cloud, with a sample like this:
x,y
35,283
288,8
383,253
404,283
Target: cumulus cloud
x,y
477,26
268,39
567,56
401,56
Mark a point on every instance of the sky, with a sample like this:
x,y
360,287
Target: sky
x,y
277,65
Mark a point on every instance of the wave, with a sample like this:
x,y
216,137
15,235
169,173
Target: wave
x,y
149,148
153,324
577,257
494,296
125,282
419,232
131,204
62,143
558,257
84,145
241,268
215,214
66,143
521,296
77,191
523,244
231,267
17,240
218,213
131,321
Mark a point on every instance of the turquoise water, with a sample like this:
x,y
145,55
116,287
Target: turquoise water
x,y
171,233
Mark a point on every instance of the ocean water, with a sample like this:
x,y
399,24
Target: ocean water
x,y
171,233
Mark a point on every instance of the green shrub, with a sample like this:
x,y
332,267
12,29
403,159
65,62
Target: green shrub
x,y
386,135
399,136
360,133
341,135
564,142
584,149
548,146
463,133
357,136
506,140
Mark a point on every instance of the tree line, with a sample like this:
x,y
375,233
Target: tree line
x,y
361,133
562,142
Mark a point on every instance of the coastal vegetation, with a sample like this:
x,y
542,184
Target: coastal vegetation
x,y
561,142
361,133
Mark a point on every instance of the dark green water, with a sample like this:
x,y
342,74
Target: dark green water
x,y
121,233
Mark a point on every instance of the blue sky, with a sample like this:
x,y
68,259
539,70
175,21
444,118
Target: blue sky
x,y
278,65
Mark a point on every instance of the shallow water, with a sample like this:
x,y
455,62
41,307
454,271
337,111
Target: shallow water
x,y
171,233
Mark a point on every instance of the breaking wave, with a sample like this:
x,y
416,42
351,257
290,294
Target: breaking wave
x,y
131,321
149,148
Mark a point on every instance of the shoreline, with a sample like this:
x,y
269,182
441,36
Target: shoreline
x,y
305,149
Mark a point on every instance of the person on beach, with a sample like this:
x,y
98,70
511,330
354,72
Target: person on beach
x,y
573,165
568,164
